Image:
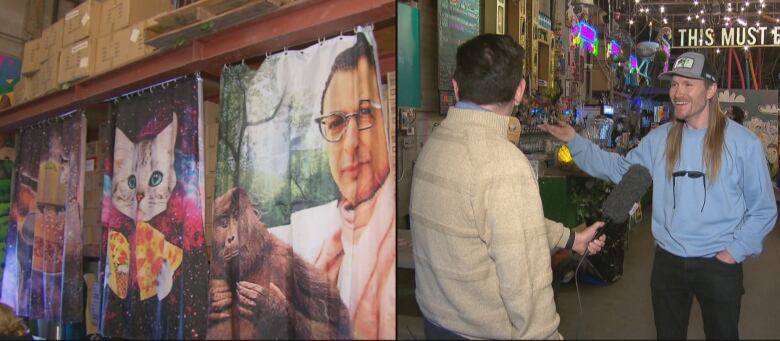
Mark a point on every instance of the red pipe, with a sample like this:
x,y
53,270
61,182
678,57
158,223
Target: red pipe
x,y
739,68
752,71
728,78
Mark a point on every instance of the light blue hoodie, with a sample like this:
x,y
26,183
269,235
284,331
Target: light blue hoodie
x,y
739,208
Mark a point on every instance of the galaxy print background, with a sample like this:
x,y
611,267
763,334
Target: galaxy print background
x,y
43,273
136,251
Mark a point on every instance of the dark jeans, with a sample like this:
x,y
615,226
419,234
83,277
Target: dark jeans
x,y
434,332
716,285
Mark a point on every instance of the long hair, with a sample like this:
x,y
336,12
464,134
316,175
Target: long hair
x,y
713,140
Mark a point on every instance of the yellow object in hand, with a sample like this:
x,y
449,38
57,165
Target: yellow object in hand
x,y
564,156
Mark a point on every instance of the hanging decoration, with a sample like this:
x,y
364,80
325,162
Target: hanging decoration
x,y
585,36
43,273
302,165
633,64
613,49
154,263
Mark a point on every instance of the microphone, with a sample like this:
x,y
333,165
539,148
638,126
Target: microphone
x,y
620,204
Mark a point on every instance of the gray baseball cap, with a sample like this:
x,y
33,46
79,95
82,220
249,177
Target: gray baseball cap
x,y
690,65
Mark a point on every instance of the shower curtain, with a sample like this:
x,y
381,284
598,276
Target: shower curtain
x,y
304,216
43,272
154,264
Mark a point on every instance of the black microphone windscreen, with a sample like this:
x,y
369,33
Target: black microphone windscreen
x,y
628,191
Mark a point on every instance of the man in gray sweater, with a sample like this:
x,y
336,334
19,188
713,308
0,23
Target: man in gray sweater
x,y
481,243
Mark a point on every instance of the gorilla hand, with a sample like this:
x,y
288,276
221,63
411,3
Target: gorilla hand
x,y
256,301
220,298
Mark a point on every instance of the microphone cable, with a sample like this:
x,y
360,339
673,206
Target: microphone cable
x,y
577,286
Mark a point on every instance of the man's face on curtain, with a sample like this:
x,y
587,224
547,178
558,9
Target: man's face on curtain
x,y
357,148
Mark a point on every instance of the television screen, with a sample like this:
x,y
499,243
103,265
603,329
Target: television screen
x,y
608,110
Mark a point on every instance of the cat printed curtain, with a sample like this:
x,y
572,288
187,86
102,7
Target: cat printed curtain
x,y
304,216
154,264
43,273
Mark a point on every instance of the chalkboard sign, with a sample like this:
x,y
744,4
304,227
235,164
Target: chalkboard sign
x,y
458,22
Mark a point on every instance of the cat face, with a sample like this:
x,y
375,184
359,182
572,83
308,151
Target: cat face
x,y
144,174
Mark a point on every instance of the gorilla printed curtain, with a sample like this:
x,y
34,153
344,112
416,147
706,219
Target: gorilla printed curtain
x,y
304,217
154,266
43,273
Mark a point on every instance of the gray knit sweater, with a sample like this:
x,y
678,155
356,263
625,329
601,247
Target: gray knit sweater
x,y
481,242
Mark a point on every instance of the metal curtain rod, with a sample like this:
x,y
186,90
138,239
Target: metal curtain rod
x,y
163,84
50,120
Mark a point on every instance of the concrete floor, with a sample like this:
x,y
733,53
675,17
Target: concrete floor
x,y
622,310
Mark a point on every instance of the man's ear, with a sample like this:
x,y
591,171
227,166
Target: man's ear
x,y
455,89
519,92
712,90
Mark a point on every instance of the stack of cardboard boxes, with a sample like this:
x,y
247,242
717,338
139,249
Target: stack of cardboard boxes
x,y
94,170
120,37
94,37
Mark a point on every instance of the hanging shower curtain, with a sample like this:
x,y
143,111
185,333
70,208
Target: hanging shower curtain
x,y
43,273
154,264
304,215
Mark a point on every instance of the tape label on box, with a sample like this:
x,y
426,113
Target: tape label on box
x,y
72,14
80,46
84,62
134,35
85,19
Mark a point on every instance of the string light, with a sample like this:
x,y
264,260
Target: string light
x,y
717,50
631,21
696,3
663,9
702,20
665,21
689,18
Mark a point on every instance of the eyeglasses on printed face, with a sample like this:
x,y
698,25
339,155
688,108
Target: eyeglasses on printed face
x,y
692,175
334,124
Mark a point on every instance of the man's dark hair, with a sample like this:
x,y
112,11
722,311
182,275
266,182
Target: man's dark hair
x,y
488,69
348,60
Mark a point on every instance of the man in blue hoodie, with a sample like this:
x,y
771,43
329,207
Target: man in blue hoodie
x,y
713,202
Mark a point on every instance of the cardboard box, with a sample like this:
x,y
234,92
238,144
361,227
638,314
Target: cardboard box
x,y
118,14
77,61
51,39
121,47
30,57
47,76
23,90
92,226
81,22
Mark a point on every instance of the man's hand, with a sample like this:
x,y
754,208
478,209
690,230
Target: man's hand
x,y
725,257
582,240
562,131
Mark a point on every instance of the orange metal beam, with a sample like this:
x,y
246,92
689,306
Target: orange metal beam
x,y
294,24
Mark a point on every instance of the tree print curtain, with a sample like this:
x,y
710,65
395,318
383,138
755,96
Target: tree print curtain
x,y
304,217
154,264
43,274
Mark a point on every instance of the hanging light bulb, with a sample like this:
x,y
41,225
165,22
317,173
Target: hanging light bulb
x,y
757,23
663,9
702,20
729,9
689,18
631,21
651,23
665,21
717,50
746,47
759,11
697,16
636,1
696,3
701,12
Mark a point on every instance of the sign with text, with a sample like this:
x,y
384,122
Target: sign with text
x,y
753,36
